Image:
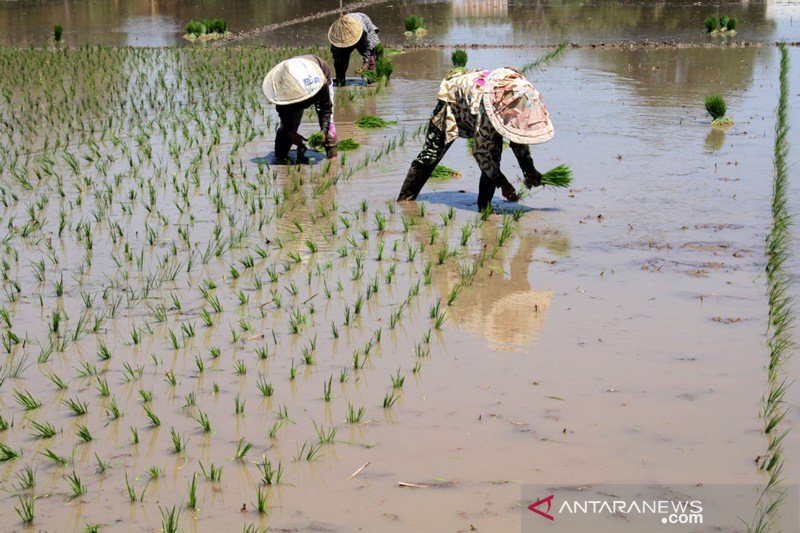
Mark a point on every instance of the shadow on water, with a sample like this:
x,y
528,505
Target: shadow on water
x,y
468,201
270,159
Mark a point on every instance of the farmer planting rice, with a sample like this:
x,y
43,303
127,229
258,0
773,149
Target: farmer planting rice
x,y
486,105
293,86
353,32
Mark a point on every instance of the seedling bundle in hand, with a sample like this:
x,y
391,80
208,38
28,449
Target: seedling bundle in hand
x,y
559,177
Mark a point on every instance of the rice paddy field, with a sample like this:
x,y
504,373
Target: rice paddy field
x,y
192,339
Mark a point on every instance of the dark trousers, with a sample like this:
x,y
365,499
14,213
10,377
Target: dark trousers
x,y
431,154
290,123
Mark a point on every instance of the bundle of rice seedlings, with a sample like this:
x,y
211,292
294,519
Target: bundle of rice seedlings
x,y
442,172
413,23
716,107
316,140
711,24
459,58
345,145
559,177
370,122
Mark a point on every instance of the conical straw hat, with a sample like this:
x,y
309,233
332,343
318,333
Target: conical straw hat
x,y
292,81
515,108
345,32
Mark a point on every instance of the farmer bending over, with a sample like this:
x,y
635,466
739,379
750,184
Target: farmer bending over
x,y
293,86
353,32
487,106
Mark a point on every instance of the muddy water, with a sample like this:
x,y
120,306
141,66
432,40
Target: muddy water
x,y
138,23
617,336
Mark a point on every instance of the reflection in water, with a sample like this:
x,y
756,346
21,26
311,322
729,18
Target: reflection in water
x,y
715,139
455,22
480,8
502,307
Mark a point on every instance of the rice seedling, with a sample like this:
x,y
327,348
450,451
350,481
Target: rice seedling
x,y
42,430
323,436
135,434
154,420
242,448
146,395
178,442
77,407
155,472
397,380
261,501
75,484
354,416
213,474
26,400
192,501
102,466
130,373
270,475
50,454
113,409
273,430
26,479
389,400
57,381
169,519
202,419
238,405
308,451
26,504
83,433
439,320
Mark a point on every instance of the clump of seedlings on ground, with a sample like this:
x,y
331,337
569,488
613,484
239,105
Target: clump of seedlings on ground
x,y
206,30
717,107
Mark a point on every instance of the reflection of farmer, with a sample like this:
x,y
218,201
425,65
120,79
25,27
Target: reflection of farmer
x,y
352,32
487,106
293,86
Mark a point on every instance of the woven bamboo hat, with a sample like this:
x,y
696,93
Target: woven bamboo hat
x,y
345,32
292,81
515,108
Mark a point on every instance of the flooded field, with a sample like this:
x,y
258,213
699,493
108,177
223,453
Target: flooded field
x,y
191,334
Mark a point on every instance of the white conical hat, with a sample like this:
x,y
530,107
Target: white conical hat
x,y
515,108
345,32
292,81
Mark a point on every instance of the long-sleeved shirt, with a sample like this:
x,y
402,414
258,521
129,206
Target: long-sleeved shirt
x,y
464,115
322,101
372,33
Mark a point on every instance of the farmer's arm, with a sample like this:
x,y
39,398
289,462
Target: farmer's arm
x,y
323,104
533,178
487,152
